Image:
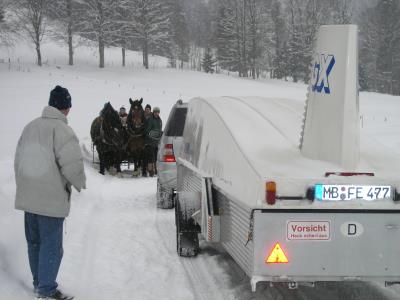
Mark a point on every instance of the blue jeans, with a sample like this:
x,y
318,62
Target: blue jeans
x,y
44,236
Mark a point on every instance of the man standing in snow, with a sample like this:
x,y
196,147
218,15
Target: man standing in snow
x,y
153,134
147,115
48,162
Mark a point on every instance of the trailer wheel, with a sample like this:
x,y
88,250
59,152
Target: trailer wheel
x,y
165,197
187,240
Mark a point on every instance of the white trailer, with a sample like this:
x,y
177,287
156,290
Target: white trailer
x,y
288,213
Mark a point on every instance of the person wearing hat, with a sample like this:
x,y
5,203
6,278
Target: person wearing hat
x,y
147,111
48,162
153,134
123,116
122,112
147,115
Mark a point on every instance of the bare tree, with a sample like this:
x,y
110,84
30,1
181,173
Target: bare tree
x,y
101,23
68,14
31,14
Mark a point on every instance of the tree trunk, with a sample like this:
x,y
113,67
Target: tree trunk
x,y
39,55
123,57
145,54
70,47
244,54
101,52
70,51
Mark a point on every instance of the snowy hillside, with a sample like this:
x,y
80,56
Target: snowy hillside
x,y
117,244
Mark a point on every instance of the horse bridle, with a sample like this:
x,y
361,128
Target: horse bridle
x,y
136,114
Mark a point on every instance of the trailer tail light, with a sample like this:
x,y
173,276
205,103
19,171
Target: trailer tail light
x,y
270,192
277,256
168,154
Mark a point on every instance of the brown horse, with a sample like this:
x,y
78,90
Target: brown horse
x,y
135,137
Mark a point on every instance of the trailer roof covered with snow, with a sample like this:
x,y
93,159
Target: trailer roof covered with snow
x,y
250,140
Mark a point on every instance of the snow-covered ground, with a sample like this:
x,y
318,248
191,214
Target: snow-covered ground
x,y
117,244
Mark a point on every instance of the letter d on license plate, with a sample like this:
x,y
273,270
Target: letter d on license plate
x,y
333,192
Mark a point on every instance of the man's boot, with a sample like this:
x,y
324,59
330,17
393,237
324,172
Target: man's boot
x,y
150,168
144,170
102,168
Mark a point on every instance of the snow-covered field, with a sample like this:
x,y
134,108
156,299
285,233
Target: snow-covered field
x,y
117,244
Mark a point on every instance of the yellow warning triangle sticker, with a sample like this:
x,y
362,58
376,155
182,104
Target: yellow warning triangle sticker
x,y
276,256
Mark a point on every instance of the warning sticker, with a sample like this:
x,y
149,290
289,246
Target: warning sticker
x,y
308,230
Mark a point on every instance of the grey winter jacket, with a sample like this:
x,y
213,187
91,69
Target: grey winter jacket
x,y
48,161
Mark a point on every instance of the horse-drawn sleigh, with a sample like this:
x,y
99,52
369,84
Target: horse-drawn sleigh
x,y
117,144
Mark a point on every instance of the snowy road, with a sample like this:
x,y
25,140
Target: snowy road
x,y
130,223
118,245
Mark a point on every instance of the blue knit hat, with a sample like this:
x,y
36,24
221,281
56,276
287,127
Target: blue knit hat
x,y
60,98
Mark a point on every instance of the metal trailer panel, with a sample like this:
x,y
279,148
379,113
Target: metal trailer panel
x,y
235,221
189,190
210,146
235,218
362,245
188,180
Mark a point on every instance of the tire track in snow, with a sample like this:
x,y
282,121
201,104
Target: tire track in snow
x,y
89,231
199,271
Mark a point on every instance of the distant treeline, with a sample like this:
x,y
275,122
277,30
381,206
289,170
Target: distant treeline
x,y
251,37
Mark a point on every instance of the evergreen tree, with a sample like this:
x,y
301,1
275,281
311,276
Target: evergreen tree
x,y
380,47
242,36
342,12
233,28
280,59
200,20
179,32
226,39
305,17
208,62
257,37
199,14
151,27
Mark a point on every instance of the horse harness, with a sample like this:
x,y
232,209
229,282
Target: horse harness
x,y
103,137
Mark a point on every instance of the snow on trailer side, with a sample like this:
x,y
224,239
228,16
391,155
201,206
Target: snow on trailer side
x,y
283,213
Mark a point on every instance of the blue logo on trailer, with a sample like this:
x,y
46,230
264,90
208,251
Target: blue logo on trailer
x,y
323,66
318,191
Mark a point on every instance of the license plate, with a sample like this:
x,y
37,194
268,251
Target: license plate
x,y
352,192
